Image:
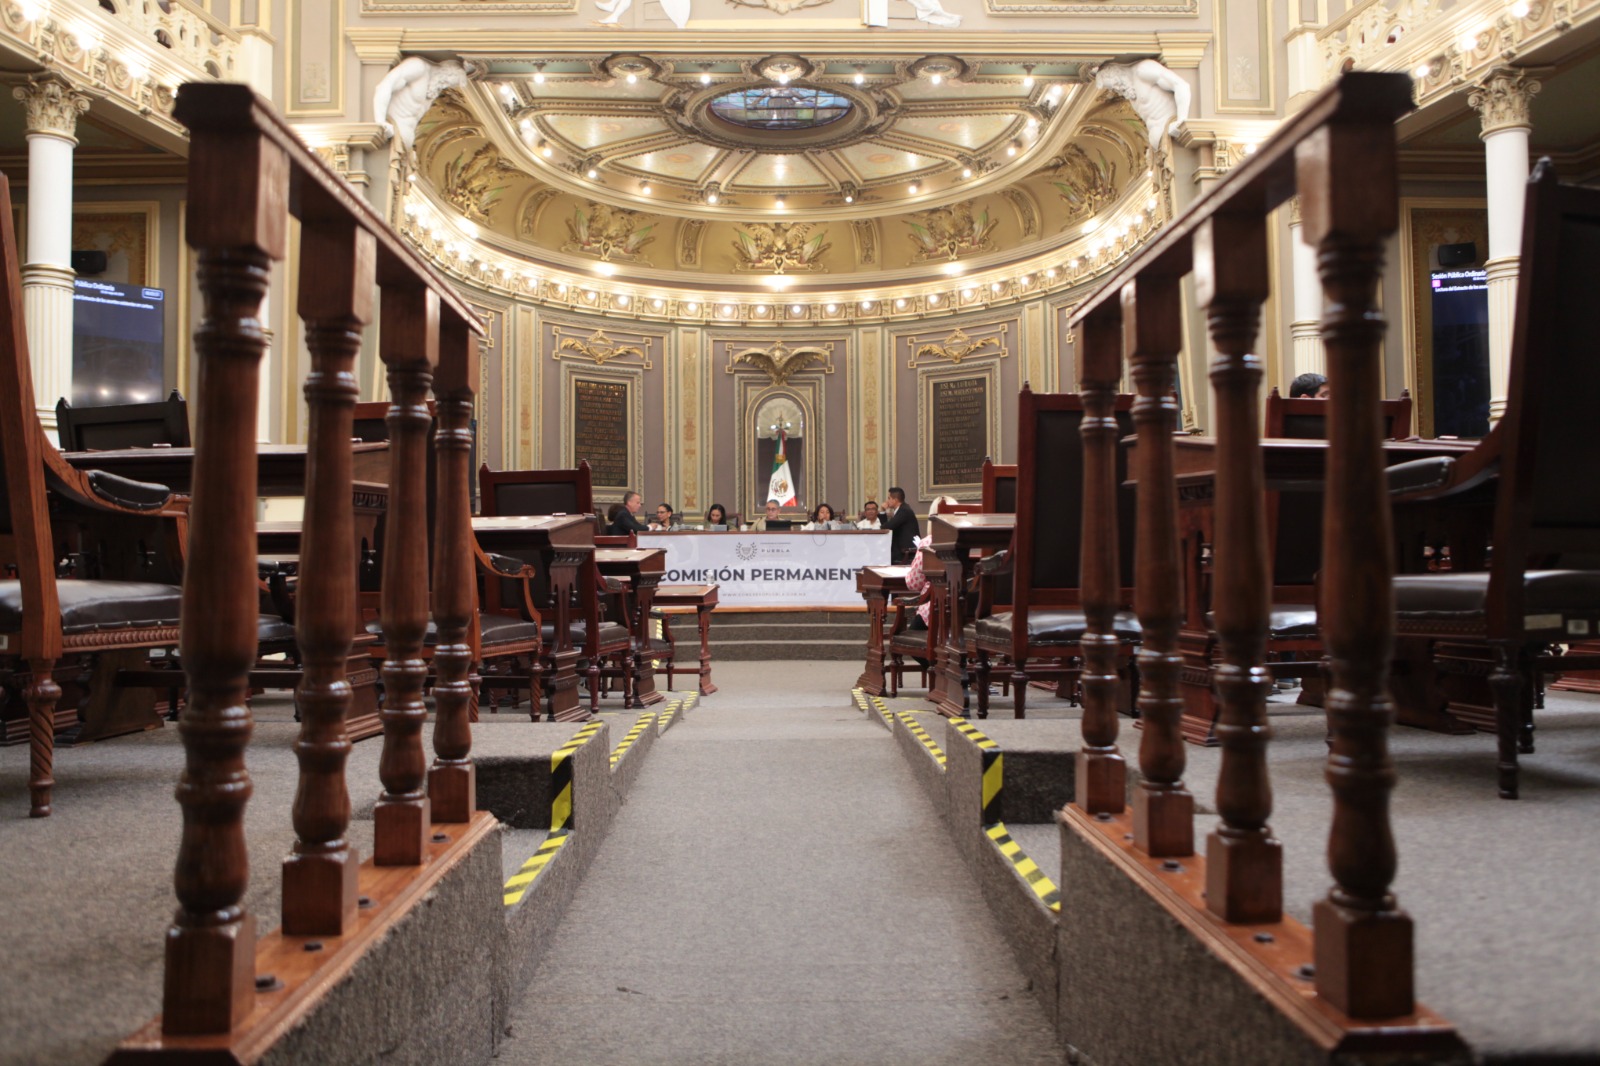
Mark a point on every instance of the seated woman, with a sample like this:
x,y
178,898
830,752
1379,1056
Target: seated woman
x,y
822,518
717,517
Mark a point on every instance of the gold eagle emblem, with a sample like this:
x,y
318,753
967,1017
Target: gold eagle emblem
x,y
599,347
780,362
955,347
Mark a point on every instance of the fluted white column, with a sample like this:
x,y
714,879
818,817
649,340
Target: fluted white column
x,y
1502,101
1305,329
52,108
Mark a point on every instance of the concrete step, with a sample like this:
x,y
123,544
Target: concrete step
x,y
737,631
817,650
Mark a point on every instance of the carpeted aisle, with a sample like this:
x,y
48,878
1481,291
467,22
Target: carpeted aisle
x,y
776,890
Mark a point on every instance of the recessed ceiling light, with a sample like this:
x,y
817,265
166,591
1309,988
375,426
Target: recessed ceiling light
x,y
712,197
937,79
849,199
691,307
859,78
645,188
781,203
761,309
866,305
900,302
547,151
968,292
996,287
1027,82
915,188
623,299
705,77
966,172
656,304
538,74
795,309
1011,149
633,79
933,298
593,173
727,309
832,308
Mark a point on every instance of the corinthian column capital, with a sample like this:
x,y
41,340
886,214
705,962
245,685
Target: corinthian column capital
x,y
52,105
1503,98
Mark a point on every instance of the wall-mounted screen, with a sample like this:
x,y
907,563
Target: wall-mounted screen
x,y
1460,352
117,341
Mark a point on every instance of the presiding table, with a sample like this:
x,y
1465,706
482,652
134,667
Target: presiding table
x,y
280,468
794,569
876,584
959,541
562,547
641,570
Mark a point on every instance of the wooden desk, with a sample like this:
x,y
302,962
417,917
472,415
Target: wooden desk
x,y
876,584
955,540
562,546
641,568
280,468
1290,466
703,598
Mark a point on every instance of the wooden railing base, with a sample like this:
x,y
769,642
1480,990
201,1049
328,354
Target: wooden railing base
x,y
1163,822
402,826
320,893
214,958
1273,959
303,976
453,791
1101,780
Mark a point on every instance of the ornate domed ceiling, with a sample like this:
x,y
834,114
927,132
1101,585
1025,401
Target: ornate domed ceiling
x,y
797,170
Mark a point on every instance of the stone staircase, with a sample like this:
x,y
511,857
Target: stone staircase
x,y
756,635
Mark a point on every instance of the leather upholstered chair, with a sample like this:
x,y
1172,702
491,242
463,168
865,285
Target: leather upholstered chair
x,y
1542,583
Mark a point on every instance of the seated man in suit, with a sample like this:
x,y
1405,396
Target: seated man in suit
x,y
902,522
772,514
628,520
870,518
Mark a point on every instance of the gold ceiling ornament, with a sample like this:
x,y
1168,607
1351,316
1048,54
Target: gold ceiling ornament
x,y
955,347
780,7
608,233
951,232
780,362
470,185
1085,184
598,347
777,247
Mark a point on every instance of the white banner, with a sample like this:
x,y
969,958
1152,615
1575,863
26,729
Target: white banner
x,y
773,569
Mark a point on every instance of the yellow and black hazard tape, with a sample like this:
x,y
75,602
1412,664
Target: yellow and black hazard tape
x,y
646,720
522,880
668,713
909,720
561,817
1042,886
879,705
993,770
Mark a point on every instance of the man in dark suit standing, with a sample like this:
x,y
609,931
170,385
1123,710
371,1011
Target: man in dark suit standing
x,y
901,521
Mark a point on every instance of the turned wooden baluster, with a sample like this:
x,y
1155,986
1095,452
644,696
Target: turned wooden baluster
x,y
1349,196
1163,809
236,222
409,345
1102,774
1244,863
319,878
452,780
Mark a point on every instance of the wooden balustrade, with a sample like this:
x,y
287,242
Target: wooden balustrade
x,y
247,173
1339,155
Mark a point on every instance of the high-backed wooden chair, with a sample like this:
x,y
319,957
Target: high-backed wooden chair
x,y
123,425
607,644
45,620
999,487
1303,418
1041,631
1542,584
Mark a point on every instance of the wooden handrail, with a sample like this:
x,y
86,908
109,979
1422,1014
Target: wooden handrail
x,y
248,173
1339,155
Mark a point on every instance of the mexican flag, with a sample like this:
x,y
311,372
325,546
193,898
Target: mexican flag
x,y
781,487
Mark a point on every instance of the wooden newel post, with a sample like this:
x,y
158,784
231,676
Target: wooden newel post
x,y
1102,775
335,300
1244,863
452,781
1152,324
1349,195
237,226
409,345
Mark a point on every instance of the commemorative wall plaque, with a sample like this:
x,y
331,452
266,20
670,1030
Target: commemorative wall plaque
x,y
960,429
600,429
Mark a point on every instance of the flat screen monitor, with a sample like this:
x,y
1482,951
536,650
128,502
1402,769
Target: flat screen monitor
x,y
1460,352
779,525
117,343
